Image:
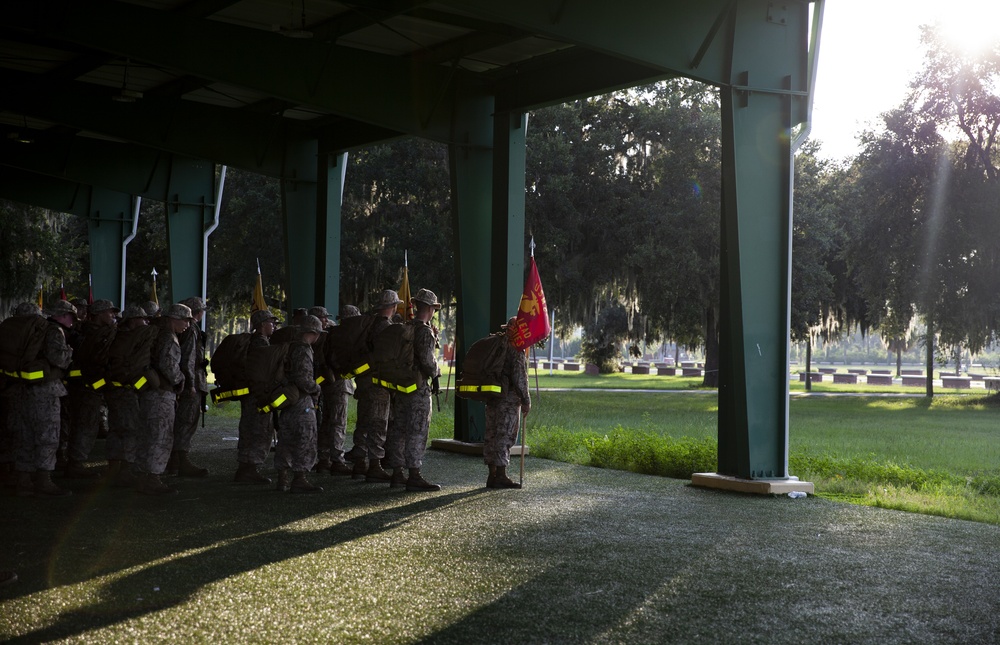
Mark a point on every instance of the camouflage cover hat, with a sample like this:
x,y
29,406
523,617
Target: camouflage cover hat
x,y
348,311
151,308
261,316
311,324
27,309
510,323
319,312
62,307
79,303
427,297
180,312
389,298
133,311
195,304
103,305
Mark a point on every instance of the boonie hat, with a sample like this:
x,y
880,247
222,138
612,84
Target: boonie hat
x,y
261,316
195,304
348,311
27,309
311,324
180,312
62,307
389,298
319,312
151,308
427,297
133,311
103,305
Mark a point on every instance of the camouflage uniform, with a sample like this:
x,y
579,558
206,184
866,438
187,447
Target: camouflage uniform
x,y
297,431
157,405
336,399
503,413
255,426
124,417
191,398
373,411
35,416
412,412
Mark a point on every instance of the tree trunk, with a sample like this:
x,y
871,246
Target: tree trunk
x,y
899,360
930,357
711,350
809,356
958,361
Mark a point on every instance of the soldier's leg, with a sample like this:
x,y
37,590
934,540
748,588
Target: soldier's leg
x,y
86,422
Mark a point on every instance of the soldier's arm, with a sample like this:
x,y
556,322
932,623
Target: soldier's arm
x,y
519,378
301,368
56,350
423,352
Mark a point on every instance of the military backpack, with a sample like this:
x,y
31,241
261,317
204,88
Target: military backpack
x,y
482,369
21,341
392,359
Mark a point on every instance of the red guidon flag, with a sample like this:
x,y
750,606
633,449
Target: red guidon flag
x,y
532,316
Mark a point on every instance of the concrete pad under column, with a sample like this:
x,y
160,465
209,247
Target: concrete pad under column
x,y
756,486
472,448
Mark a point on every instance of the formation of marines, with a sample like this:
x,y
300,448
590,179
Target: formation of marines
x,y
143,373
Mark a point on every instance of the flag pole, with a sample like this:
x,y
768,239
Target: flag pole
x,y
523,427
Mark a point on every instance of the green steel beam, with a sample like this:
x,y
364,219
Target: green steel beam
x,y
507,266
300,205
472,186
109,222
330,184
190,205
55,194
409,97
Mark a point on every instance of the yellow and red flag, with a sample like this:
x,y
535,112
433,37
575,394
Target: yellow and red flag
x,y
258,303
41,297
405,308
533,315
152,293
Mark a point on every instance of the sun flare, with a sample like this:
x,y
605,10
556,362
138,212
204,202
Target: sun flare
x,y
970,26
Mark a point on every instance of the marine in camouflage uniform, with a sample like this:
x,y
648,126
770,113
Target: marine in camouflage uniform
x,y
412,412
374,403
157,404
35,407
255,426
296,452
503,413
86,403
124,417
333,425
191,400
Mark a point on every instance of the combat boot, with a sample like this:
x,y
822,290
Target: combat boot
x,y
284,482
376,473
171,468
360,468
126,477
25,487
185,468
76,470
322,464
150,484
398,478
248,474
340,469
492,476
417,483
302,485
502,480
44,486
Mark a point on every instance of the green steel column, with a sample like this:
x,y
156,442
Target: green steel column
x,y
471,163
756,264
190,205
300,205
509,130
109,222
330,199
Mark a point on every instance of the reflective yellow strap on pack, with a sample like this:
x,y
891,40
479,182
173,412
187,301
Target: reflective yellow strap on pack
x,y
231,394
75,374
117,384
32,376
140,383
361,370
274,405
480,388
320,379
98,384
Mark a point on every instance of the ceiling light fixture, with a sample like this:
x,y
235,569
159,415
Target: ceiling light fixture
x,y
126,95
296,32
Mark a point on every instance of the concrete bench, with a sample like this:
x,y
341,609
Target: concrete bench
x,y
691,371
827,370
571,367
845,378
992,382
688,364
914,381
666,371
879,379
910,372
882,372
976,377
640,369
857,371
957,382
816,377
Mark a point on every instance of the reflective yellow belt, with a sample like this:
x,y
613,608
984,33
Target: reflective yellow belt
x,y
392,386
480,388
273,405
360,370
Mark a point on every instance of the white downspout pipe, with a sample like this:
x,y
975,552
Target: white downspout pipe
x,y
204,240
135,228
